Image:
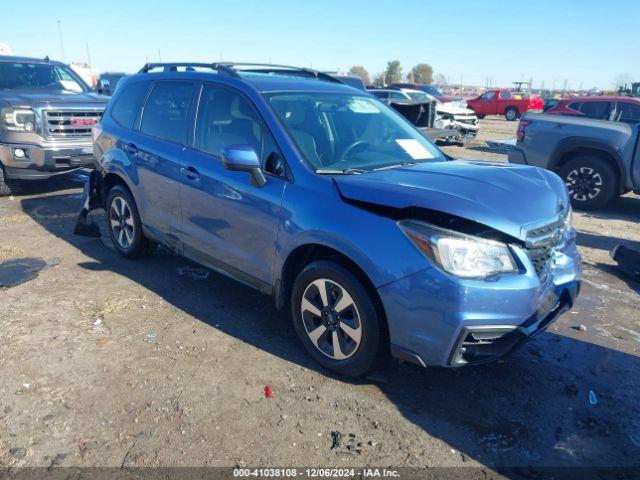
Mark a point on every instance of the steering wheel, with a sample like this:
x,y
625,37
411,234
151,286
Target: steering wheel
x,y
358,144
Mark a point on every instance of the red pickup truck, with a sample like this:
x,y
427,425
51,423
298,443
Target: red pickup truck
x,y
504,102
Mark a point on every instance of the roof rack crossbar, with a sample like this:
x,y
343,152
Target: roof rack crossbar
x,y
232,69
172,67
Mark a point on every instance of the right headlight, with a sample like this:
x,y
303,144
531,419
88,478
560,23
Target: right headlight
x,y
461,255
21,120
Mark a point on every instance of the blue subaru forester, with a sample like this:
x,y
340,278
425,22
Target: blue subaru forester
x,y
322,196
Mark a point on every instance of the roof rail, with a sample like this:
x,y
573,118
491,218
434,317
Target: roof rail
x,y
275,69
232,69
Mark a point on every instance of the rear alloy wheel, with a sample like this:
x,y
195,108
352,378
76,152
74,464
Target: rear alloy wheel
x,y
123,223
335,318
591,182
511,114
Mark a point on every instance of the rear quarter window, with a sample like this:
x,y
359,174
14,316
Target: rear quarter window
x,y
128,102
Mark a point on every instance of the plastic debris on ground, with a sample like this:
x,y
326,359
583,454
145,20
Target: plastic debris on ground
x,y
593,399
193,273
267,392
150,337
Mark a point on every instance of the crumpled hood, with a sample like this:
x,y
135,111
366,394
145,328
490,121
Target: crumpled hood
x,y
503,196
452,109
32,98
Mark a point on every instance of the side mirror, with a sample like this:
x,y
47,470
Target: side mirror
x,y
243,158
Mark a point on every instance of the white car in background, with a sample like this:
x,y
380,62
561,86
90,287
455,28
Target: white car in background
x,y
450,115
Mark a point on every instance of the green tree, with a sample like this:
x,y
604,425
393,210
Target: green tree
x,y
393,73
422,73
360,71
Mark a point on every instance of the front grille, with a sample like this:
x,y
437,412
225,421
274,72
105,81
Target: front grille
x,y
70,123
541,244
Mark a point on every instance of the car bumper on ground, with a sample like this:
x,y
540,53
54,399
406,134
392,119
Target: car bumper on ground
x,y
28,161
436,319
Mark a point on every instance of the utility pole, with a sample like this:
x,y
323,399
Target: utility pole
x,y
61,42
159,56
88,54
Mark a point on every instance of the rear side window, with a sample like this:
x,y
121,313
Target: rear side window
x,y
575,106
166,112
505,95
597,110
127,104
488,96
629,112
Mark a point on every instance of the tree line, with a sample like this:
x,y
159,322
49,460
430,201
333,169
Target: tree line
x,y
420,73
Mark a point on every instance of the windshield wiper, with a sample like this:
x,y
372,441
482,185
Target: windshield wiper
x,y
346,171
395,165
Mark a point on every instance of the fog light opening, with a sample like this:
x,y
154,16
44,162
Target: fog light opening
x,y
19,153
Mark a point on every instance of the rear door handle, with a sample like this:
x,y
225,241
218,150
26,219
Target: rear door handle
x,y
190,172
131,148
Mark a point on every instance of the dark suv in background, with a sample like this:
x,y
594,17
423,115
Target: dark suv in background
x,y
46,115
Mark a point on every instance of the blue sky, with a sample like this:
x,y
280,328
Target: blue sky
x,y
583,41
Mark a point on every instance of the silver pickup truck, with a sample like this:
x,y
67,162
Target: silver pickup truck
x,y
46,115
597,159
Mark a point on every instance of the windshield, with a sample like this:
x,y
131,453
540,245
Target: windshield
x,y
431,90
421,96
18,75
344,133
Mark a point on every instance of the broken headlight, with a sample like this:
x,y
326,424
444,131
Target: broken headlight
x,y
461,255
20,120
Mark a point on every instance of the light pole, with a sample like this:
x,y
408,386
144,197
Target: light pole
x,y
61,42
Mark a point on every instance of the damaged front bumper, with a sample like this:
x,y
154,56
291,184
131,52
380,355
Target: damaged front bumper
x,y
436,319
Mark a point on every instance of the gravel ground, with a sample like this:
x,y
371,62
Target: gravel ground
x,y
109,362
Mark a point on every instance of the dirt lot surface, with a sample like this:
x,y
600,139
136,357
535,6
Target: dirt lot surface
x,y
110,362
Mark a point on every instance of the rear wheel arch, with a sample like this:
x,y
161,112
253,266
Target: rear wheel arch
x,y
569,154
305,254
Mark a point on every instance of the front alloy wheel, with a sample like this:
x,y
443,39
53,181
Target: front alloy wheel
x,y
335,316
331,319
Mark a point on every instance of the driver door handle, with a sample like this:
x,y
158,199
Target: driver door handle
x,y
190,172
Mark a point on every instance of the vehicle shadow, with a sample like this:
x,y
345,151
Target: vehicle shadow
x,y
532,409
621,208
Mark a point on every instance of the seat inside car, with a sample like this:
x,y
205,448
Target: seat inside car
x,y
306,129
227,120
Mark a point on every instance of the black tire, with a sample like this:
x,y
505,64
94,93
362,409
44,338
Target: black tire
x,y
511,114
592,182
480,117
5,187
360,356
136,243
